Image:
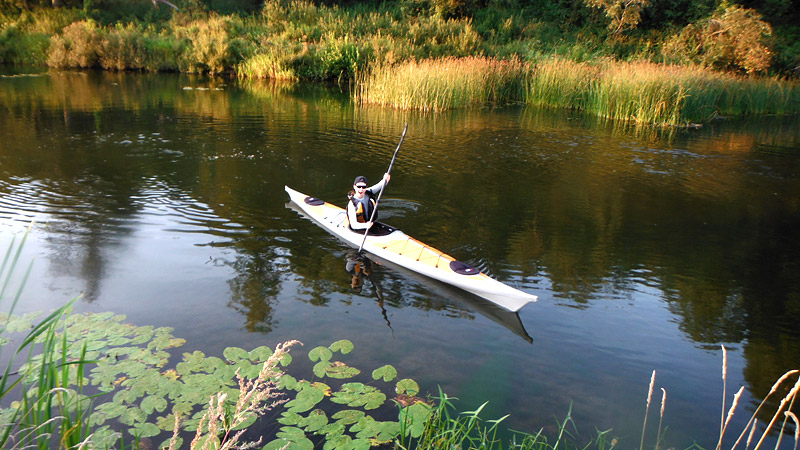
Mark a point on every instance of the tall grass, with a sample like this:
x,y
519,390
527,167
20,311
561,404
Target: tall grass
x,y
51,406
638,92
754,433
439,84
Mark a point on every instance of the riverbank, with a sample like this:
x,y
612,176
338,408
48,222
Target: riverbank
x,y
421,58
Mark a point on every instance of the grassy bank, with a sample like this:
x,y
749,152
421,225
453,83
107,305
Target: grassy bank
x,y
421,55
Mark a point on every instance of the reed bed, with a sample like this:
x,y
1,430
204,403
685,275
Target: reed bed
x,y
639,92
446,83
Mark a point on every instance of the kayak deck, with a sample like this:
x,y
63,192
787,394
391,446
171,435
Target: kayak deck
x,y
395,246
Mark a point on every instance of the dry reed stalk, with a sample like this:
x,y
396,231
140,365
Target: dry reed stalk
x,y
661,416
751,424
647,408
792,416
256,396
724,393
789,397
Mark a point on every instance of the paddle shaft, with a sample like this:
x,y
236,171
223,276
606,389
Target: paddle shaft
x,y
389,170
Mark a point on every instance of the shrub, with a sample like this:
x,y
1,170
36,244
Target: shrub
x,y
732,39
76,46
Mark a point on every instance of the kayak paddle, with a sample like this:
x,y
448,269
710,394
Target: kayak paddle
x,y
389,170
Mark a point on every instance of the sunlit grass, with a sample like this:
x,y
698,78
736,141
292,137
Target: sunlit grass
x,y
446,83
638,92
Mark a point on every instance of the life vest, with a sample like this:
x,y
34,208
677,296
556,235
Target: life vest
x,y
361,215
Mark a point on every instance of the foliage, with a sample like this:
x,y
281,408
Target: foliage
x,y
731,39
622,14
129,365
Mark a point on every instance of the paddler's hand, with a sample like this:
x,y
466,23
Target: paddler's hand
x,y
369,225
386,177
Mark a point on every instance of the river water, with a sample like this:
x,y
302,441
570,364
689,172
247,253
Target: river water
x,y
161,197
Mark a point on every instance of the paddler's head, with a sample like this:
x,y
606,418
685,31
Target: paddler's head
x,y
360,185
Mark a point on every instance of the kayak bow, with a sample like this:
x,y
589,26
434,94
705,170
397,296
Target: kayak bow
x,y
393,245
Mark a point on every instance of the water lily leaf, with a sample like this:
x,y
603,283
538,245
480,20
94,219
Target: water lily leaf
x,y
320,354
144,430
132,415
343,346
286,359
166,423
250,419
195,358
415,416
315,421
321,368
290,418
235,354
212,364
325,388
341,442
358,394
104,437
407,386
341,370
208,442
348,416
298,444
361,444
260,353
332,429
306,399
291,433
111,409
152,403
168,443
387,373
287,382
249,370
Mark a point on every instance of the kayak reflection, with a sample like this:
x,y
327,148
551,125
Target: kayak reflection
x,y
360,267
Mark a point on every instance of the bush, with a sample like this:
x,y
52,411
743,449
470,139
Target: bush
x,y
76,46
732,39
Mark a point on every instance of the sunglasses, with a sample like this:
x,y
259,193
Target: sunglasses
x,y
361,186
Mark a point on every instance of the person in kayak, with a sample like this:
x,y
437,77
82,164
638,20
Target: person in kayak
x,y
362,202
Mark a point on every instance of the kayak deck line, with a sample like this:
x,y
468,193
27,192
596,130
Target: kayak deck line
x,y
397,247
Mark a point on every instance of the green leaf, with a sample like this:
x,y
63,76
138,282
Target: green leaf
x,y
235,354
387,373
320,354
144,430
407,386
306,399
348,416
290,418
315,421
415,416
260,354
344,346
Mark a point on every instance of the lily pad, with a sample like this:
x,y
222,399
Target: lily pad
x,y
320,354
407,386
235,354
344,346
260,353
387,373
306,399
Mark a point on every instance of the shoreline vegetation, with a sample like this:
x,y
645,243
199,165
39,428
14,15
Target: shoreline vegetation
x,y
618,60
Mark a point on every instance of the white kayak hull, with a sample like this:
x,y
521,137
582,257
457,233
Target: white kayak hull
x,y
407,252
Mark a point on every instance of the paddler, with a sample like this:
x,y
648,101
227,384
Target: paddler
x,y
362,202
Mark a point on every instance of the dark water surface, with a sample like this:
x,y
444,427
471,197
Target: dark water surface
x,y
161,197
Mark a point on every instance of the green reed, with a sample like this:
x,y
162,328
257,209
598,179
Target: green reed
x,y
51,406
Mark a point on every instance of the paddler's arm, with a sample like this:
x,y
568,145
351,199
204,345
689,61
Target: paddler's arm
x,y
380,185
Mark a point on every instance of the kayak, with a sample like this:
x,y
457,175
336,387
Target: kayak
x,y
393,245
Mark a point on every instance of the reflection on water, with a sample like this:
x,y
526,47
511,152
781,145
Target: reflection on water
x,y
161,197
